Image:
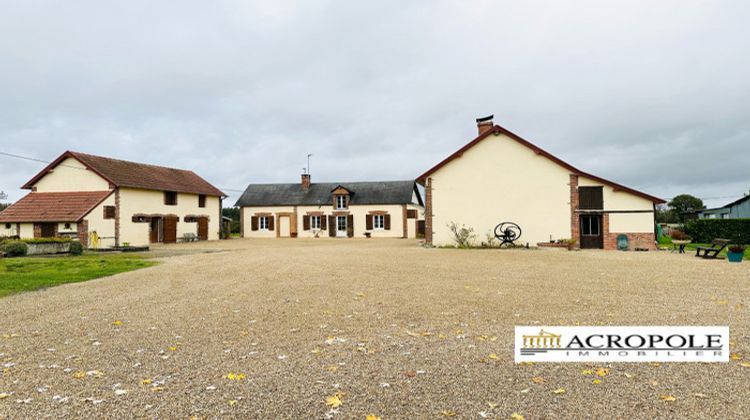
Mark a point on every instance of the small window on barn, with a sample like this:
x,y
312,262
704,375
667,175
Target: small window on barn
x,y
202,200
590,198
7,225
67,226
170,198
109,212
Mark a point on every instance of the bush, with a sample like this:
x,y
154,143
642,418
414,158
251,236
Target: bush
x,y
706,230
76,248
678,235
15,248
47,240
463,236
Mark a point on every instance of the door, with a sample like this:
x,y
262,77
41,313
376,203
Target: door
x,y
202,228
341,226
285,226
591,231
155,231
170,230
48,230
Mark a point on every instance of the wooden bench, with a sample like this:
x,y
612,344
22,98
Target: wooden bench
x,y
717,245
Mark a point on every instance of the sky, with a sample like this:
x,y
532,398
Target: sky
x,y
652,95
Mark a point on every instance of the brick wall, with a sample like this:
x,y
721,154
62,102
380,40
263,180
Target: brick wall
x,y
83,233
37,230
428,212
635,240
575,220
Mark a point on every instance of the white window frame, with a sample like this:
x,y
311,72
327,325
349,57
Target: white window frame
x,y
315,222
340,202
378,222
262,222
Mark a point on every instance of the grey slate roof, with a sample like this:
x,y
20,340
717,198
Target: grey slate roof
x,y
385,192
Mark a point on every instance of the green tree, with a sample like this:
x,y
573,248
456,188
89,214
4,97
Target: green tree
x,y
234,213
685,203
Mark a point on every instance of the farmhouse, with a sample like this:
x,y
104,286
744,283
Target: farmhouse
x,y
348,209
107,202
500,177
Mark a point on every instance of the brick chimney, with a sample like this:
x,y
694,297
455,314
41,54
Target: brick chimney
x,y
485,124
305,182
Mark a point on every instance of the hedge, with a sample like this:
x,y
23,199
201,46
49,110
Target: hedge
x,y
63,240
706,230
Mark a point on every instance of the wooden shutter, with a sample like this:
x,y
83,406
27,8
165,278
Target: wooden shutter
x,y
590,198
331,226
368,221
202,228
411,214
350,225
305,222
387,221
254,223
170,230
270,222
323,224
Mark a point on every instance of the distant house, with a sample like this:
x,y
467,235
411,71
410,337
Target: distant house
x,y
500,177
331,209
739,209
78,195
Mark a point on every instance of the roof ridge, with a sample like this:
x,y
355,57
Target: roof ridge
x,y
74,153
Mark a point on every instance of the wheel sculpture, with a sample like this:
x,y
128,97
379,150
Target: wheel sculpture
x,y
507,233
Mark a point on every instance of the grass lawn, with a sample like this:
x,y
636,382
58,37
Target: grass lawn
x,y
666,242
33,273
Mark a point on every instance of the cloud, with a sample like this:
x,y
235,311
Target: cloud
x,y
651,95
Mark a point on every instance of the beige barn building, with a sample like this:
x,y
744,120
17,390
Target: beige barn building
x,y
500,177
351,209
122,202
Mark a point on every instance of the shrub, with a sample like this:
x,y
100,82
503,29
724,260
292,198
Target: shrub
x,y
15,248
463,236
76,248
737,249
47,240
706,230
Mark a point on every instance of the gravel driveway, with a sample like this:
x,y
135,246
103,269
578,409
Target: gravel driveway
x,y
272,328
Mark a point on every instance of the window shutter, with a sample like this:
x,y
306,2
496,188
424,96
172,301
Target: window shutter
x,y
350,225
411,214
387,221
254,223
270,222
305,222
368,221
331,226
323,224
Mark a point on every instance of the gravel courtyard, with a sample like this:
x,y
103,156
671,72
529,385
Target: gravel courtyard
x,y
273,328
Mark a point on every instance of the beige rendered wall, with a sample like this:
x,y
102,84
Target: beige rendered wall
x,y
500,180
72,229
358,212
12,230
104,228
135,201
71,175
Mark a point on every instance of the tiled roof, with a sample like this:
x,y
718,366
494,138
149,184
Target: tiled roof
x,y
386,192
53,206
123,173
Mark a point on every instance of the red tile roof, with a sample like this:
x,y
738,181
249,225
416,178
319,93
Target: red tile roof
x,y
539,151
123,173
53,206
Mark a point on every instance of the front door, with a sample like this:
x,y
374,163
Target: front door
x,y
341,226
202,228
170,230
285,226
591,231
155,231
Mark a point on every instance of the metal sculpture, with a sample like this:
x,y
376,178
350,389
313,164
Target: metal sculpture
x,y
507,233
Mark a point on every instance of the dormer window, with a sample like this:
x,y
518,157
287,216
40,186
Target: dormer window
x,y
340,202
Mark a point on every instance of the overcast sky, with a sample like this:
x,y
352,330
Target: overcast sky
x,y
653,95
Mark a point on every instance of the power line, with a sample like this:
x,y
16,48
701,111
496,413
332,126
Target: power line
x,y
78,167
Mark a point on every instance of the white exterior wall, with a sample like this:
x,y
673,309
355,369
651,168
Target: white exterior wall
x,y
499,180
358,212
104,228
135,201
71,175
11,230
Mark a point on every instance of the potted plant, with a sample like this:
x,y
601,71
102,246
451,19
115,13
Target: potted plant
x,y
735,253
680,239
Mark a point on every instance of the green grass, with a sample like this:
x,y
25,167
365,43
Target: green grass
x,y
666,242
33,273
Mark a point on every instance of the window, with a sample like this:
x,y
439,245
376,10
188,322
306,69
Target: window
x,y
202,200
170,198
7,225
378,222
109,212
67,226
590,225
315,222
263,222
340,201
590,198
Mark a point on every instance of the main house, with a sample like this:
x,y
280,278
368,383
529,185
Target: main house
x,y
349,209
500,177
107,202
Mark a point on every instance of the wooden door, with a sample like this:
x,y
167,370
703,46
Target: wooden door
x,y
154,234
202,228
170,230
48,230
591,231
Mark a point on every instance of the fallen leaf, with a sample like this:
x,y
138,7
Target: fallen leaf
x,y
602,372
146,381
735,356
79,375
586,372
596,381
372,417
537,380
157,389
117,322
668,398
235,376
516,416
232,402
559,391
4,395
410,373
448,413
493,356
333,401
745,364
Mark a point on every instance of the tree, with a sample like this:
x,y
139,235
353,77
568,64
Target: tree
x,y
234,213
685,203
